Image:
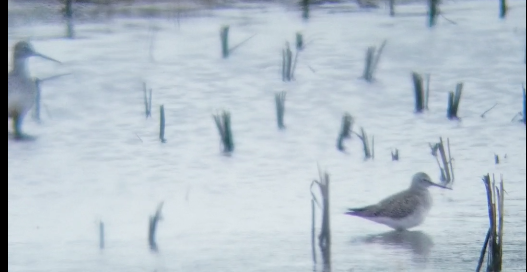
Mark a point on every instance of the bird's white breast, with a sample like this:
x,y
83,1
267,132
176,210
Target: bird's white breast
x,y
21,94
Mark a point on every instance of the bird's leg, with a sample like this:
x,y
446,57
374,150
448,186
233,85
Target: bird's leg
x,y
17,127
17,124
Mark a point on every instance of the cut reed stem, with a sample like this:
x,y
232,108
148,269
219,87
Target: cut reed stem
x,y
162,124
152,226
223,123
101,235
453,102
345,130
324,238
280,108
224,38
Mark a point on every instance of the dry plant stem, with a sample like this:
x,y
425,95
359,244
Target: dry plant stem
x,y
443,157
314,253
483,251
450,159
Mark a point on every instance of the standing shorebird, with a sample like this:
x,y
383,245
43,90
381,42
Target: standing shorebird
x,y
21,88
403,210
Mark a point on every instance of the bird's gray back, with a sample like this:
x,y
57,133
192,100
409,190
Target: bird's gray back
x,y
399,205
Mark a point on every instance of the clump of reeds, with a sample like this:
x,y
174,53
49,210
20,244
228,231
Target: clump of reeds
x,y
503,8
421,94
147,100
372,60
493,244
445,165
324,238
453,102
152,226
101,235
395,155
433,12
345,130
299,41
288,63
279,99
223,123
224,38
162,124
369,152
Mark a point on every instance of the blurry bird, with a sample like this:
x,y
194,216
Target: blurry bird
x,y
403,210
21,88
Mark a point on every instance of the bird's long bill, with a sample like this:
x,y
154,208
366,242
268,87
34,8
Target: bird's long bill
x,y
440,185
45,57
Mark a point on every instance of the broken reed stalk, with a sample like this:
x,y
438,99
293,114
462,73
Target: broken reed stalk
x,y
372,147
287,63
444,160
418,92
162,124
395,155
279,98
485,112
101,235
493,244
67,12
524,106
313,251
450,159
223,123
392,7
224,37
240,44
503,8
345,130
372,61
368,153
147,100
36,112
445,166
427,92
324,238
305,9
453,102
152,226
433,12
299,41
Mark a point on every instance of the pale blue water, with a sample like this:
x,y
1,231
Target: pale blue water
x,y
97,157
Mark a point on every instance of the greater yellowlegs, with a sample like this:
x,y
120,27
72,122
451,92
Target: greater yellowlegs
x,y
21,88
403,210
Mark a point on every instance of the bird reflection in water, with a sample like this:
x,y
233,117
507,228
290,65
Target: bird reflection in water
x,y
418,242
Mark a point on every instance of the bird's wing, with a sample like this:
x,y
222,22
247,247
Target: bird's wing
x,y
398,205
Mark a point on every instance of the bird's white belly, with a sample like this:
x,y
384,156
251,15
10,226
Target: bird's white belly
x,y
20,98
410,221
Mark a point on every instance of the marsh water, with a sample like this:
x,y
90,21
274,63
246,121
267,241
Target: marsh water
x,y
97,157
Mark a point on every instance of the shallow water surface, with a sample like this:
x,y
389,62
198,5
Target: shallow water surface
x,y
97,158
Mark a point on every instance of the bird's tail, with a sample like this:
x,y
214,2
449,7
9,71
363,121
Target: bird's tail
x,y
356,211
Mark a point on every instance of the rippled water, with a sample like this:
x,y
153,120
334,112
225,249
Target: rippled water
x,y
96,157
